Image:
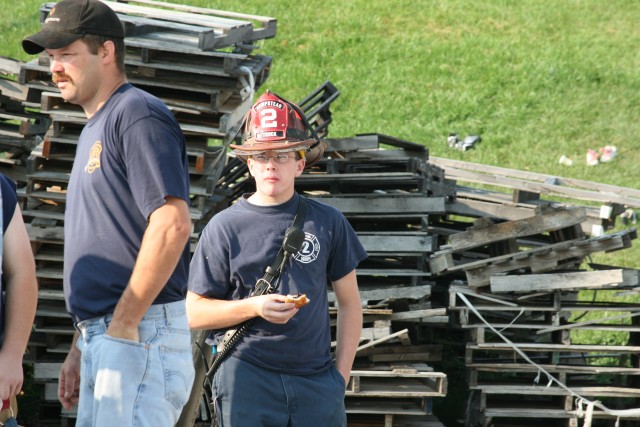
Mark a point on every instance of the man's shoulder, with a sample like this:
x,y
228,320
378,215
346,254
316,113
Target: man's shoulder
x,y
140,97
326,209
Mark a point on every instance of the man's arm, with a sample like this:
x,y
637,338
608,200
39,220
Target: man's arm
x,y
162,245
69,377
211,313
22,298
349,324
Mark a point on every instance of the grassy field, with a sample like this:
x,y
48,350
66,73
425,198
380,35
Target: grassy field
x,y
537,79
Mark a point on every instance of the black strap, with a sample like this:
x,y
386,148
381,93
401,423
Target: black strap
x,y
293,238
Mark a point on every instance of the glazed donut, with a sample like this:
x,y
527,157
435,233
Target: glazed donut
x,y
299,300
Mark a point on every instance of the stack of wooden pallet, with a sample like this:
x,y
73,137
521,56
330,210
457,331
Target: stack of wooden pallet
x,y
523,289
449,254
528,360
473,239
387,190
202,63
21,129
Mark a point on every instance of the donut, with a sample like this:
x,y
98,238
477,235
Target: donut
x,y
299,300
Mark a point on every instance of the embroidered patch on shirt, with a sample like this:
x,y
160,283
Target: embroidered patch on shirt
x,y
94,158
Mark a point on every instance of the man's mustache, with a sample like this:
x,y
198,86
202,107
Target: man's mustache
x,y
55,78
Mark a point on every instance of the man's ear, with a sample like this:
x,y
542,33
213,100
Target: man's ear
x,y
108,50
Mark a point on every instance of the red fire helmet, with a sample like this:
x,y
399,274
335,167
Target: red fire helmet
x,y
275,124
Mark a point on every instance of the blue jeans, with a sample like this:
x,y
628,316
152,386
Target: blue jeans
x,y
125,383
246,395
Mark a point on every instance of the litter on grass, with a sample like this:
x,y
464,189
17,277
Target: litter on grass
x,y
465,144
601,155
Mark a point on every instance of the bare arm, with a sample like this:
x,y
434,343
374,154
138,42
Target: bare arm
x,y
210,313
22,296
162,245
69,377
349,325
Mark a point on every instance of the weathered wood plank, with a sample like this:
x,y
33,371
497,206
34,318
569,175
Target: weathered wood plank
x,y
376,204
418,314
378,383
213,32
46,371
585,391
553,368
412,292
39,234
540,414
538,259
589,322
397,242
403,353
400,334
195,33
548,220
416,409
565,281
266,29
392,272
538,183
542,347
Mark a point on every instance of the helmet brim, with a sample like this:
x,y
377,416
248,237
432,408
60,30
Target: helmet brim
x,y
312,153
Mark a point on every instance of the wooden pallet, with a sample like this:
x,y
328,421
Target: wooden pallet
x,y
591,392
537,184
497,206
317,107
563,255
400,354
396,397
391,420
263,26
198,27
508,237
390,204
202,73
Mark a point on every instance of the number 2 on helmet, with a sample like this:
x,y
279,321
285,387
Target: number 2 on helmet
x,y
268,118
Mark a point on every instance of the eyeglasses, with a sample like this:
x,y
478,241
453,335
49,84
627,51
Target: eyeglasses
x,y
278,158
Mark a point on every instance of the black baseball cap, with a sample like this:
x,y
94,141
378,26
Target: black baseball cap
x,y
69,20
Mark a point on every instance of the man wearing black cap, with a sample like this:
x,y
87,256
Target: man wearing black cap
x,y
127,226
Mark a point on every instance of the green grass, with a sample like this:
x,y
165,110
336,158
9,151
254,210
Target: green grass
x,y
537,79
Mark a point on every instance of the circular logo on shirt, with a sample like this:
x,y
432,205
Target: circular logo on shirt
x,y
309,250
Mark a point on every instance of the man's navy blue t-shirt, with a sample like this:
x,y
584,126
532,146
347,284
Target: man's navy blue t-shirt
x,y
9,200
130,156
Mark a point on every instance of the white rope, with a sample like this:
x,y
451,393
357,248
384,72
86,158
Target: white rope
x,y
513,321
624,413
